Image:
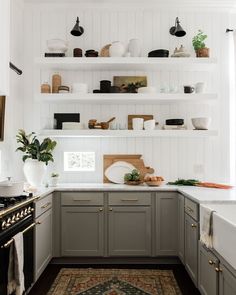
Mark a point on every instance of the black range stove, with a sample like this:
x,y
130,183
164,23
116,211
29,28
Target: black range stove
x,y
16,215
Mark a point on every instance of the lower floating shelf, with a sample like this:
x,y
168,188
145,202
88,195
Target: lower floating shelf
x,y
128,133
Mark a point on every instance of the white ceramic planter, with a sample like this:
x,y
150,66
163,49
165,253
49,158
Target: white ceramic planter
x,y
134,47
34,172
117,49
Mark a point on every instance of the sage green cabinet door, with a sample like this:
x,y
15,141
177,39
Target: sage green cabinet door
x,y
227,282
166,223
129,231
191,247
181,230
43,242
207,276
82,231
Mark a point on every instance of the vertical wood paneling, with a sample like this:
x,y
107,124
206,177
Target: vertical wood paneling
x,y
171,157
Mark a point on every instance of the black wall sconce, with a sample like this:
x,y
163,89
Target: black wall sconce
x,y
77,30
177,30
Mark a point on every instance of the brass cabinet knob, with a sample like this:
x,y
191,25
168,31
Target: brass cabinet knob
x,y
218,269
101,209
111,209
193,225
211,262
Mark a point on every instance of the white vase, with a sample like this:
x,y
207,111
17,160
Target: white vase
x,y
34,172
117,49
134,47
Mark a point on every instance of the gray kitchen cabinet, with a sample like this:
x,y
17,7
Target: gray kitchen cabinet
x,y
191,247
43,242
129,232
82,231
166,224
208,278
181,231
227,281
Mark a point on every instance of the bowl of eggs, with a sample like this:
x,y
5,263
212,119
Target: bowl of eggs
x,y
154,180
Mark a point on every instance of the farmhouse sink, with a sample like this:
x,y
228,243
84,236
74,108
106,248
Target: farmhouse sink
x,y
224,231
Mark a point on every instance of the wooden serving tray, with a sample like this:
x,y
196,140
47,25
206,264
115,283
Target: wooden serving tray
x,y
135,160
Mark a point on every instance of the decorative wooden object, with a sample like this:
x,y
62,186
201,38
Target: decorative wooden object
x,y
135,160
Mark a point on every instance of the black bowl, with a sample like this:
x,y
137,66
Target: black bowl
x,y
159,53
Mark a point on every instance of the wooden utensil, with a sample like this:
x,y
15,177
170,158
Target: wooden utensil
x,y
131,117
105,125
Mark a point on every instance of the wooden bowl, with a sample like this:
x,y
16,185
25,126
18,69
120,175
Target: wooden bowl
x,y
154,183
133,182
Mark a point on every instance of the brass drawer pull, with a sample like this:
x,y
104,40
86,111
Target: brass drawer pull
x,y
81,200
193,225
46,205
129,200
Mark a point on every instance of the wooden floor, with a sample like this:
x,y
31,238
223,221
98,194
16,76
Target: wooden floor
x,y
45,281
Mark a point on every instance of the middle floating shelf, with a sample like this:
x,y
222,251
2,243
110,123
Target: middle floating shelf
x,y
126,98
128,133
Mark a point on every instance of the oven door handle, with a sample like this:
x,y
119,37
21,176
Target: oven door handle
x,y
7,244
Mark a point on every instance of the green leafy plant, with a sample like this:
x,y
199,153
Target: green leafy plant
x,y
133,176
54,175
33,149
190,182
198,40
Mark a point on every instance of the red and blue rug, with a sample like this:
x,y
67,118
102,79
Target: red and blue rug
x,y
74,281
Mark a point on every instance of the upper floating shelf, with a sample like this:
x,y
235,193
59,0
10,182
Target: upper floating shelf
x,y
126,98
125,63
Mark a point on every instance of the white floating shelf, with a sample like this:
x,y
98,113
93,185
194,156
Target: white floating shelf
x,y
128,133
125,63
131,98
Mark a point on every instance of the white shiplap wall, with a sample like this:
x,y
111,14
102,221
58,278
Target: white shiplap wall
x,y
171,157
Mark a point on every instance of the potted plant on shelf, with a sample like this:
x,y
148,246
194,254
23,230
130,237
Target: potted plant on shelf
x,y
54,179
199,44
36,156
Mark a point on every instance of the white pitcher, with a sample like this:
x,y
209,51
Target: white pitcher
x,y
134,47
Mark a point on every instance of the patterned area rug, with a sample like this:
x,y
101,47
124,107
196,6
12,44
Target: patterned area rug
x,y
74,281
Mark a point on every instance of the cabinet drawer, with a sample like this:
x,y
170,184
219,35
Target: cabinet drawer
x,y
191,208
82,199
43,205
129,199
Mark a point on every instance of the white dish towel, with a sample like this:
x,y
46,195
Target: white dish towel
x,y
16,263
206,226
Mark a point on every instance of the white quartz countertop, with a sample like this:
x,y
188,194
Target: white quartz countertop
x,y
197,194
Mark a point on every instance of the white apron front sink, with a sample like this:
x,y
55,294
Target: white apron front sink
x,y
224,231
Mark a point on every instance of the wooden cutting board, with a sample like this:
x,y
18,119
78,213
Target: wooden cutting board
x,y
131,117
135,160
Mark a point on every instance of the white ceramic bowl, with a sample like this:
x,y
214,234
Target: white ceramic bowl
x,y
201,123
11,189
57,45
147,90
